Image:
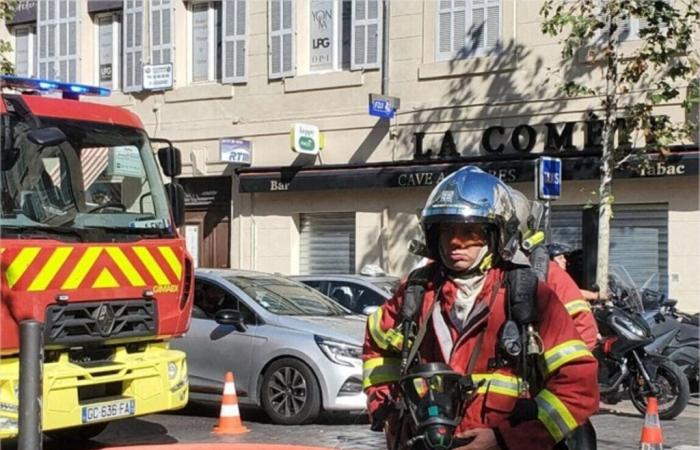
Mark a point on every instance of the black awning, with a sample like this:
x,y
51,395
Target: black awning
x,y
25,12
429,173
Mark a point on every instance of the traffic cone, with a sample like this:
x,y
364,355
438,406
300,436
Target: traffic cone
x,y
230,417
652,438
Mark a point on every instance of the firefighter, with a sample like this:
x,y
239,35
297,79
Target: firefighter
x,y
470,229
554,275
560,253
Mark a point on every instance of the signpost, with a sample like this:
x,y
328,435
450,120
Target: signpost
x,y
157,77
383,106
306,139
548,185
237,151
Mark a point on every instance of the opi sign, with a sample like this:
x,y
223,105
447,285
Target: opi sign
x,y
558,137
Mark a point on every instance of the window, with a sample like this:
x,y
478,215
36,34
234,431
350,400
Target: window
x,y
467,28
206,41
330,32
210,298
161,32
234,37
327,243
281,35
133,45
354,296
366,34
109,50
57,23
25,51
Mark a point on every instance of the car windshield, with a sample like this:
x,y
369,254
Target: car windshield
x,y
286,297
103,178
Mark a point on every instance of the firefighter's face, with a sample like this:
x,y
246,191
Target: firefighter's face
x,y
561,260
460,245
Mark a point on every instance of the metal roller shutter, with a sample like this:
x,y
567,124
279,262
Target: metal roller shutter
x,y
639,238
327,243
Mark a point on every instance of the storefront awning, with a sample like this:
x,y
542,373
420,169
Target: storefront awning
x,y
515,168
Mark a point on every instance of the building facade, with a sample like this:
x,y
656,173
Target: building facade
x,y
475,86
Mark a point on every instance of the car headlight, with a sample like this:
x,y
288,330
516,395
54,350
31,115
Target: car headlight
x,y
339,352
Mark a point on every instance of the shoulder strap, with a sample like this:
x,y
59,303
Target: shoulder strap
x,y
521,295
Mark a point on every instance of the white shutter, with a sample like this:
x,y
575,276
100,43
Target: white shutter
x,y
281,18
24,51
485,26
366,34
327,243
47,21
161,32
58,39
200,42
133,45
234,41
451,28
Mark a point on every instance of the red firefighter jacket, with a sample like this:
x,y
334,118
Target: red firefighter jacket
x,y
578,308
570,394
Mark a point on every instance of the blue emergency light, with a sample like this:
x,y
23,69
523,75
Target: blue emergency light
x,y
70,90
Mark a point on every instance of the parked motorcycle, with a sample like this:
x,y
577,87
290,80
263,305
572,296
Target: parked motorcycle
x,y
625,366
676,334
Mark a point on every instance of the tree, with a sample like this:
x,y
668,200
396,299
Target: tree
x,y
7,11
639,76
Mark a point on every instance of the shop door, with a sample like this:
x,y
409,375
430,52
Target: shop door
x,y
207,228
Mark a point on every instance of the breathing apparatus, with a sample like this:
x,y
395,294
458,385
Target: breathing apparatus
x,y
435,397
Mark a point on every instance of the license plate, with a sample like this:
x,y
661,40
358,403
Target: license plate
x,y
108,410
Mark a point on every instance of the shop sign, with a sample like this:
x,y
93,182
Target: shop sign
x,y
660,169
305,139
558,138
383,106
321,35
237,151
157,77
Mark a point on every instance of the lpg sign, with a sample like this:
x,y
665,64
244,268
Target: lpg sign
x,y
305,139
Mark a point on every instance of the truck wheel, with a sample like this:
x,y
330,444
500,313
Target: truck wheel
x,y
77,434
290,393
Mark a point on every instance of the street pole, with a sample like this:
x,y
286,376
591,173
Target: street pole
x,y
31,365
547,224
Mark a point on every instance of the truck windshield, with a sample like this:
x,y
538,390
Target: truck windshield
x,y
103,177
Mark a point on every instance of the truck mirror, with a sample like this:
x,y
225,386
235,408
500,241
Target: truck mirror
x,y
45,137
170,160
176,195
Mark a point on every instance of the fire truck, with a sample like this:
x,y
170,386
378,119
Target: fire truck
x,y
89,247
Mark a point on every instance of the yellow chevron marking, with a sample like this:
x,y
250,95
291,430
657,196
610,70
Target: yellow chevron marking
x,y
82,268
20,264
125,266
151,264
50,269
172,260
105,280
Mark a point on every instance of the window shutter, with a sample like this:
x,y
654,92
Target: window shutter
x,y
58,34
281,38
161,32
452,25
23,51
366,34
47,15
234,41
493,23
477,30
133,45
327,243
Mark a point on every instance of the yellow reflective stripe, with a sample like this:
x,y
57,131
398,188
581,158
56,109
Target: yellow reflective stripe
x,y
82,268
577,306
172,260
125,266
20,264
384,339
486,263
564,353
48,272
498,383
105,280
151,265
554,414
380,370
534,240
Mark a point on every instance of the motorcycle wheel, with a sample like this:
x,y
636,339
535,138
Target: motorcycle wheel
x,y
672,385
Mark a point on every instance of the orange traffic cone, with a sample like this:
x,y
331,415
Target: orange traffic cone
x,y
230,417
652,438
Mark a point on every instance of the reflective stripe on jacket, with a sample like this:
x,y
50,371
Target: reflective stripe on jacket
x,y
570,394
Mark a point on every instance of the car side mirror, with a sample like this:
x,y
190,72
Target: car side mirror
x,y
170,160
231,317
176,196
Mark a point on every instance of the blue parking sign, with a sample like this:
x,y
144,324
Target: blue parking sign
x,y
548,178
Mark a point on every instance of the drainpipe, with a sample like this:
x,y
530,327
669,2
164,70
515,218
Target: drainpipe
x,y
385,46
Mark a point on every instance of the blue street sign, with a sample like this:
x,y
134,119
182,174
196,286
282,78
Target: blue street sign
x,y
381,107
548,178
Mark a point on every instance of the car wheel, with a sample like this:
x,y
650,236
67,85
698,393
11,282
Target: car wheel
x,y
290,394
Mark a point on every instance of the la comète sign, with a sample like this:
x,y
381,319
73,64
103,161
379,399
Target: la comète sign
x,y
558,137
